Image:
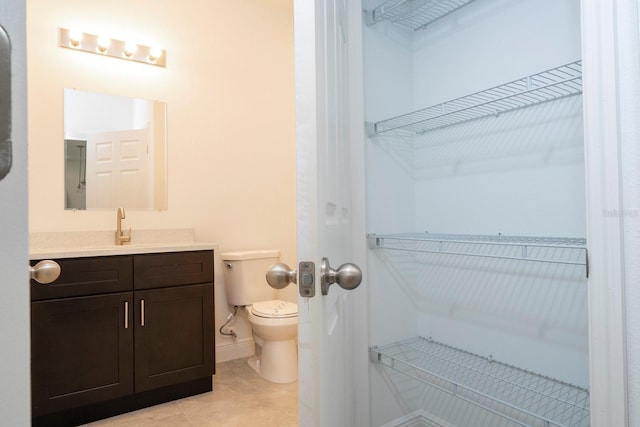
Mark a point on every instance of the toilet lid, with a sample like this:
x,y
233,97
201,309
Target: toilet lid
x,y
275,308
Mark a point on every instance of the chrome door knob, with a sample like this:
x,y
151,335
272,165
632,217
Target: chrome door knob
x,y
348,276
45,271
280,275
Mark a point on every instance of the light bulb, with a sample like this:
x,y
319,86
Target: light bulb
x,y
75,37
103,44
154,54
129,49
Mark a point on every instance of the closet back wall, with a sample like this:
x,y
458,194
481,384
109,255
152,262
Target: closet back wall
x,y
518,174
229,91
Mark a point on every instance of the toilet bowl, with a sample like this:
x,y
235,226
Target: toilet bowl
x,y
274,322
275,332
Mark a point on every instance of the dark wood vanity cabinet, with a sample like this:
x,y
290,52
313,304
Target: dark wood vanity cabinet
x,y
118,333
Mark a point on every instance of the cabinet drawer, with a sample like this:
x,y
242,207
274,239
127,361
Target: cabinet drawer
x,y
87,276
172,269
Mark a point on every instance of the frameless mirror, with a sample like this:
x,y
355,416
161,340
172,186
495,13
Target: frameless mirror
x,y
115,152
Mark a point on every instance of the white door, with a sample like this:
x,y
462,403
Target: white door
x,y
15,395
117,169
333,384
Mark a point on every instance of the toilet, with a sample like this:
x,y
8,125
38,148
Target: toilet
x,y
274,322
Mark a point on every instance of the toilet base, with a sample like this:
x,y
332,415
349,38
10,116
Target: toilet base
x,y
278,362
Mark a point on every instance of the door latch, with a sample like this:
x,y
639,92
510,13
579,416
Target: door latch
x,y
307,279
280,275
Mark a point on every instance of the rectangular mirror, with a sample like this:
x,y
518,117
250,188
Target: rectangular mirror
x,y
115,152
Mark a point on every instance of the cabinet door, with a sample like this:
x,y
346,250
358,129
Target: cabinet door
x,y
174,335
82,351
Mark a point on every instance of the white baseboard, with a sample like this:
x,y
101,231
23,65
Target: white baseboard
x,y
236,350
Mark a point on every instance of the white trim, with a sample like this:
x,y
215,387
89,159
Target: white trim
x,y
306,17
360,341
244,347
607,355
360,318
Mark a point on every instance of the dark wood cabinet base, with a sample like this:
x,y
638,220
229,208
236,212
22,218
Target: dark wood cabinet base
x,y
116,334
98,411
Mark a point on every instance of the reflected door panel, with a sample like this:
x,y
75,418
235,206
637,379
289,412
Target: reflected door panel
x,y
117,169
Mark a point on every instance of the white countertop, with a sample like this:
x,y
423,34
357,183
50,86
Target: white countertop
x,y
78,244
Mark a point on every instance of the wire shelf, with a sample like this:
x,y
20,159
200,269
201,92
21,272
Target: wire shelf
x,y
492,385
413,14
555,250
556,83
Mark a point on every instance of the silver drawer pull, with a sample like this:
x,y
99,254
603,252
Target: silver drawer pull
x,y
126,314
141,312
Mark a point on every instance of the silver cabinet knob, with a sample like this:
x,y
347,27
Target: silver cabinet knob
x,y
45,271
348,276
280,275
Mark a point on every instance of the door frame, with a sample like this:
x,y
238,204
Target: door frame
x,y
605,233
15,392
360,319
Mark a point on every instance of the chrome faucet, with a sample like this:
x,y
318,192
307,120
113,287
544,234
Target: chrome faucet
x,y
121,238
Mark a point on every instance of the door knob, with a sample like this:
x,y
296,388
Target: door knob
x,y
348,276
45,271
280,275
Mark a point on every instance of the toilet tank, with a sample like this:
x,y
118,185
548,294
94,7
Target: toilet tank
x,y
244,275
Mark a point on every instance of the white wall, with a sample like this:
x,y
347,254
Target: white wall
x,y
521,173
492,42
86,112
388,82
229,91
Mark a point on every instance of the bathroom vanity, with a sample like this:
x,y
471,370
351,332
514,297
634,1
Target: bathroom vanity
x,y
115,333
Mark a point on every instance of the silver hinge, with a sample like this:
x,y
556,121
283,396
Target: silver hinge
x,y
5,104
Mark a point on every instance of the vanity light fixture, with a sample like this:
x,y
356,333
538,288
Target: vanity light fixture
x,y
106,46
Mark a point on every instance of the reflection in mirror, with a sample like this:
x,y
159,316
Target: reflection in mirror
x,y
75,174
115,152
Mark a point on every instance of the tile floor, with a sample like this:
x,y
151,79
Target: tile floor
x,y
239,398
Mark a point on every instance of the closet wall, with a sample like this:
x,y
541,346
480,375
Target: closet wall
x,y
518,173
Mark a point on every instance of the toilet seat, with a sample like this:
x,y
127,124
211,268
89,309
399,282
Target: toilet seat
x,y
274,309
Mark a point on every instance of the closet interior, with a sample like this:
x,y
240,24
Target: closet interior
x,y
477,261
